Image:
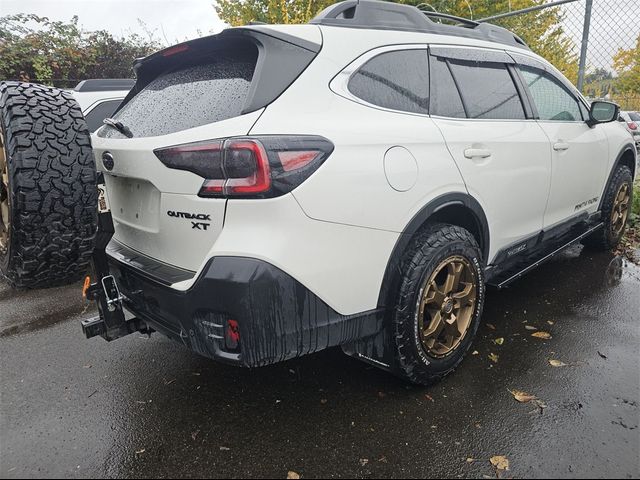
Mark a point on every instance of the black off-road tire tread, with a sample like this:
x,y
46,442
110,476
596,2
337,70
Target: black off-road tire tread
x,y
422,248
602,239
52,178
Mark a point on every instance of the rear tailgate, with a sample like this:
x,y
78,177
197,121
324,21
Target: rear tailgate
x,y
157,210
211,88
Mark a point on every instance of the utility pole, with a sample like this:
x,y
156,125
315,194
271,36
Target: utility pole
x,y
585,43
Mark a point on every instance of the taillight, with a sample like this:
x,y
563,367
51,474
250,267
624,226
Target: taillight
x,y
249,167
632,125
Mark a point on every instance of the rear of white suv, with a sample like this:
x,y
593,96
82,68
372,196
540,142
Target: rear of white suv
x,y
279,190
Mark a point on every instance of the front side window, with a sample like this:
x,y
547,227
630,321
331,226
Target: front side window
x,y
553,101
397,80
487,90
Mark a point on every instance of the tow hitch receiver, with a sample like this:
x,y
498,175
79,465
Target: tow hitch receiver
x,y
96,326
111,322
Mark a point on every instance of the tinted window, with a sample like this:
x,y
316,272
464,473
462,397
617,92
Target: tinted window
x,y
487,90
397,80
634,116
98,113
189,97
552,100
445,99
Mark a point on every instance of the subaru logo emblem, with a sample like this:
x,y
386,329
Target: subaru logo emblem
x,y
107,161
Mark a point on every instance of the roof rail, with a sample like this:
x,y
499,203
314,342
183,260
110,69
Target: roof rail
x,y
105,84
374,14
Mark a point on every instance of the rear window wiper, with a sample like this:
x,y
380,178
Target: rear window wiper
x,y
122,128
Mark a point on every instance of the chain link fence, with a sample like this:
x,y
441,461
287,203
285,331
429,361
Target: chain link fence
x,y
595,43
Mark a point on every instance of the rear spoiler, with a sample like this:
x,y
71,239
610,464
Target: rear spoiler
x,y
281,59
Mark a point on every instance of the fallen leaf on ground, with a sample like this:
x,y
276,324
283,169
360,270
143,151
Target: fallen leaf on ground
x,y
291,475
492,327
602,355
383,459
429,397
224,449
471,460
323,401
550,322
363,461
522,397
493,357
530,327
557,363
194,435
475,352
499,462
141,451
542,335
499,341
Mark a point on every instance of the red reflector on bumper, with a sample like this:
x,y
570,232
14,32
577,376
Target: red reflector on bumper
x,y
232,335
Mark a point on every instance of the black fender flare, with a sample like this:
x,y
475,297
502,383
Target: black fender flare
x,y
626,148
392,272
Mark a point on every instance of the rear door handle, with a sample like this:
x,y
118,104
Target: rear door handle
x,y
560,146
477,153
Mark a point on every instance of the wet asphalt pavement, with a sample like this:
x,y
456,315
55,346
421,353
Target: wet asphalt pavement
x,y
143,407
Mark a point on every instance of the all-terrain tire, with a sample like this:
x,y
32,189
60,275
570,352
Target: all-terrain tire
x,y
51,187
427,251
607,238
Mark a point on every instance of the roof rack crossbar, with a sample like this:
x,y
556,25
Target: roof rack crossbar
x,y
446,16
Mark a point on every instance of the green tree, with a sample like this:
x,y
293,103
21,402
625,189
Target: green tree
x,y
627,84
627,65
241,12
60,53
542,30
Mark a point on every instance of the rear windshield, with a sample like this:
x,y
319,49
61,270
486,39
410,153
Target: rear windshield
x,y
188,97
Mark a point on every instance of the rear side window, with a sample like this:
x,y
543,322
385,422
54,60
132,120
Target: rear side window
x,y
487,90
398,80
634,116
552,100
445,98
190,96
98,113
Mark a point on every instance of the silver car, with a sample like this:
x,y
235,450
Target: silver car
x,y
632,119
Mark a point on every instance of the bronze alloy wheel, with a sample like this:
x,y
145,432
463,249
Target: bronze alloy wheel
x,y
4,199
620,210
447,305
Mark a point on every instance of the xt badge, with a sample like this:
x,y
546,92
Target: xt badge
x,y
201,225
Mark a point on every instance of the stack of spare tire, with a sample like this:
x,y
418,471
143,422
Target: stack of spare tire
x,y
48,194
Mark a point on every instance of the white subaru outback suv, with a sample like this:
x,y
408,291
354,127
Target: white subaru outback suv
x,y
272,191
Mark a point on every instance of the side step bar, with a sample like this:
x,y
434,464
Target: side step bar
x,y
503,282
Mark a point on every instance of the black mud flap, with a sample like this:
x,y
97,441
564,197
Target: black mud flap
x,y
111,322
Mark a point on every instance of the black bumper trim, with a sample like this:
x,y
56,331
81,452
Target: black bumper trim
x,y
161,272
279,318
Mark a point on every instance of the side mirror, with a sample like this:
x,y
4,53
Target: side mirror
x,y
603,112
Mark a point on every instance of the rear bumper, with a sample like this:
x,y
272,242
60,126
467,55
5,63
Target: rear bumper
x,y
278,317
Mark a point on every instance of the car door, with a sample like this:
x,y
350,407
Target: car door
x,y
502,153
579,153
